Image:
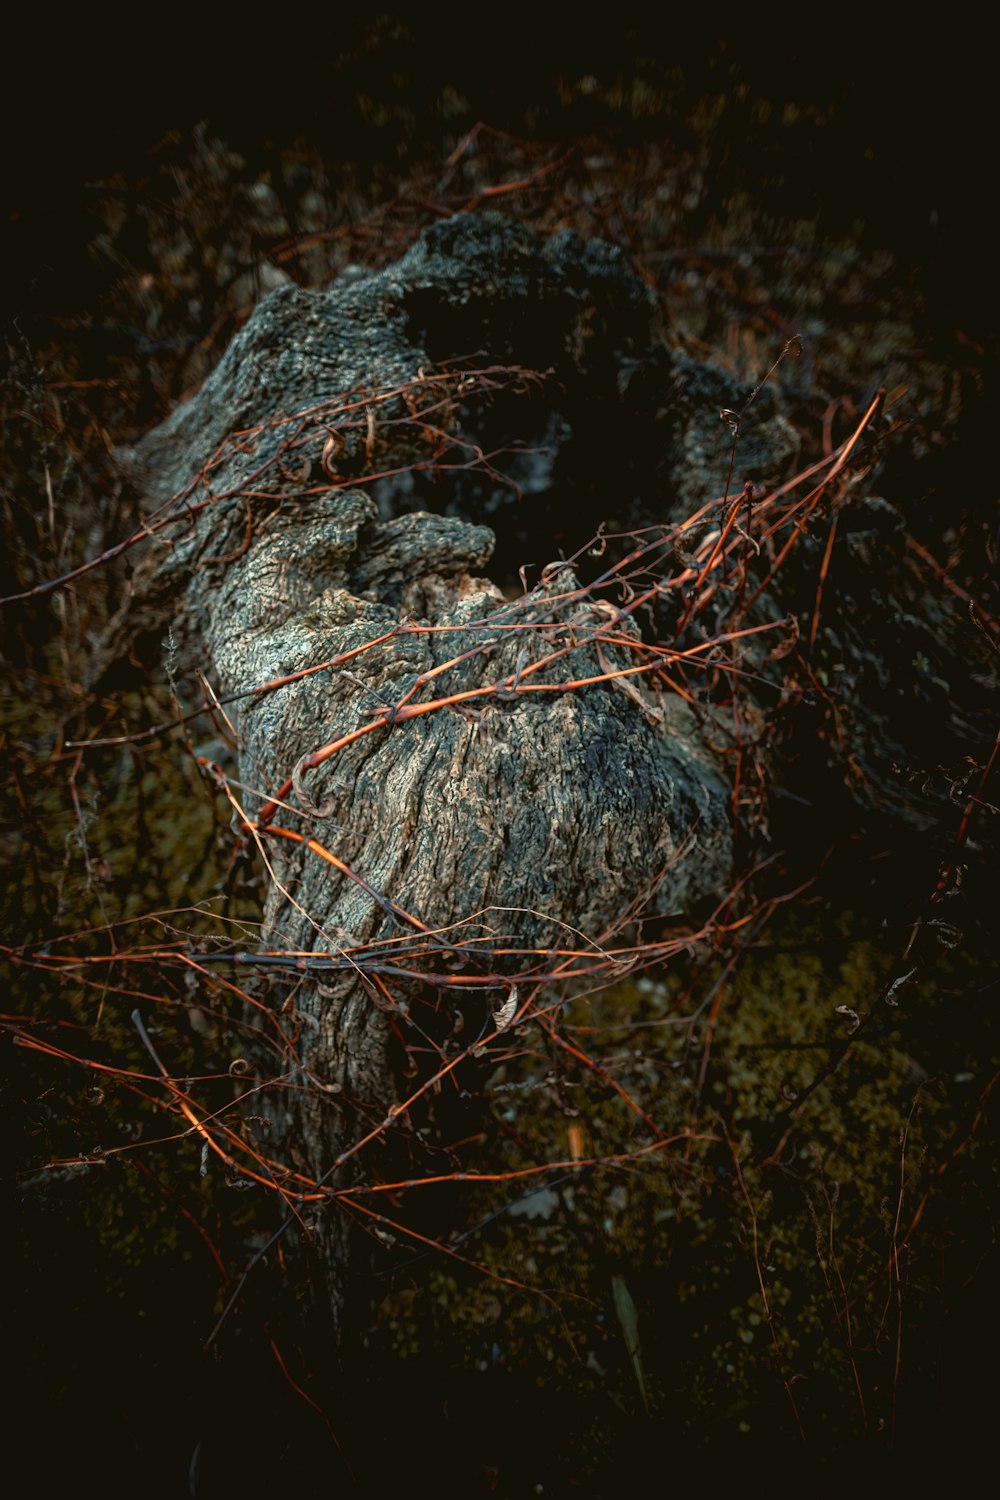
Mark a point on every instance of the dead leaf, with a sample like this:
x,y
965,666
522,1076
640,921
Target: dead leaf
x,y
503,1017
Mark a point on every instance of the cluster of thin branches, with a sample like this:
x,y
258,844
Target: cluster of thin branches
x,y
697,570
705,576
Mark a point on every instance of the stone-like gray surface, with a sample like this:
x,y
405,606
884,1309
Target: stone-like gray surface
x,y
547,814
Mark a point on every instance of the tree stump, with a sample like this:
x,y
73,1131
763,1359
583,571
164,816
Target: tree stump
x,y
499,791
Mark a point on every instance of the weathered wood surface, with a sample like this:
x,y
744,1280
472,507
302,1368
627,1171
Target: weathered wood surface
x,y
538,820
544,817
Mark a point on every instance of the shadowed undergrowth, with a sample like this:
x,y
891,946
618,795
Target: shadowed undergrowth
x,y
742,1197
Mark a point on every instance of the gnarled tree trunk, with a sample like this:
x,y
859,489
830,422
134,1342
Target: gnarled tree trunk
x,y
469,780
536,816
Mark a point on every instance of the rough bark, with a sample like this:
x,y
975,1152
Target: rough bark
x,y
534,819
544,817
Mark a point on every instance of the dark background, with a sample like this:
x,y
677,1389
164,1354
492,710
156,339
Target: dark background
x,y
898,147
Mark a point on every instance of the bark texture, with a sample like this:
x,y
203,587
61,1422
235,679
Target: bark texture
x,y
533,820
536,820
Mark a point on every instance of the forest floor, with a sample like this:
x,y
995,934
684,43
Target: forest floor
x,y
827,1310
